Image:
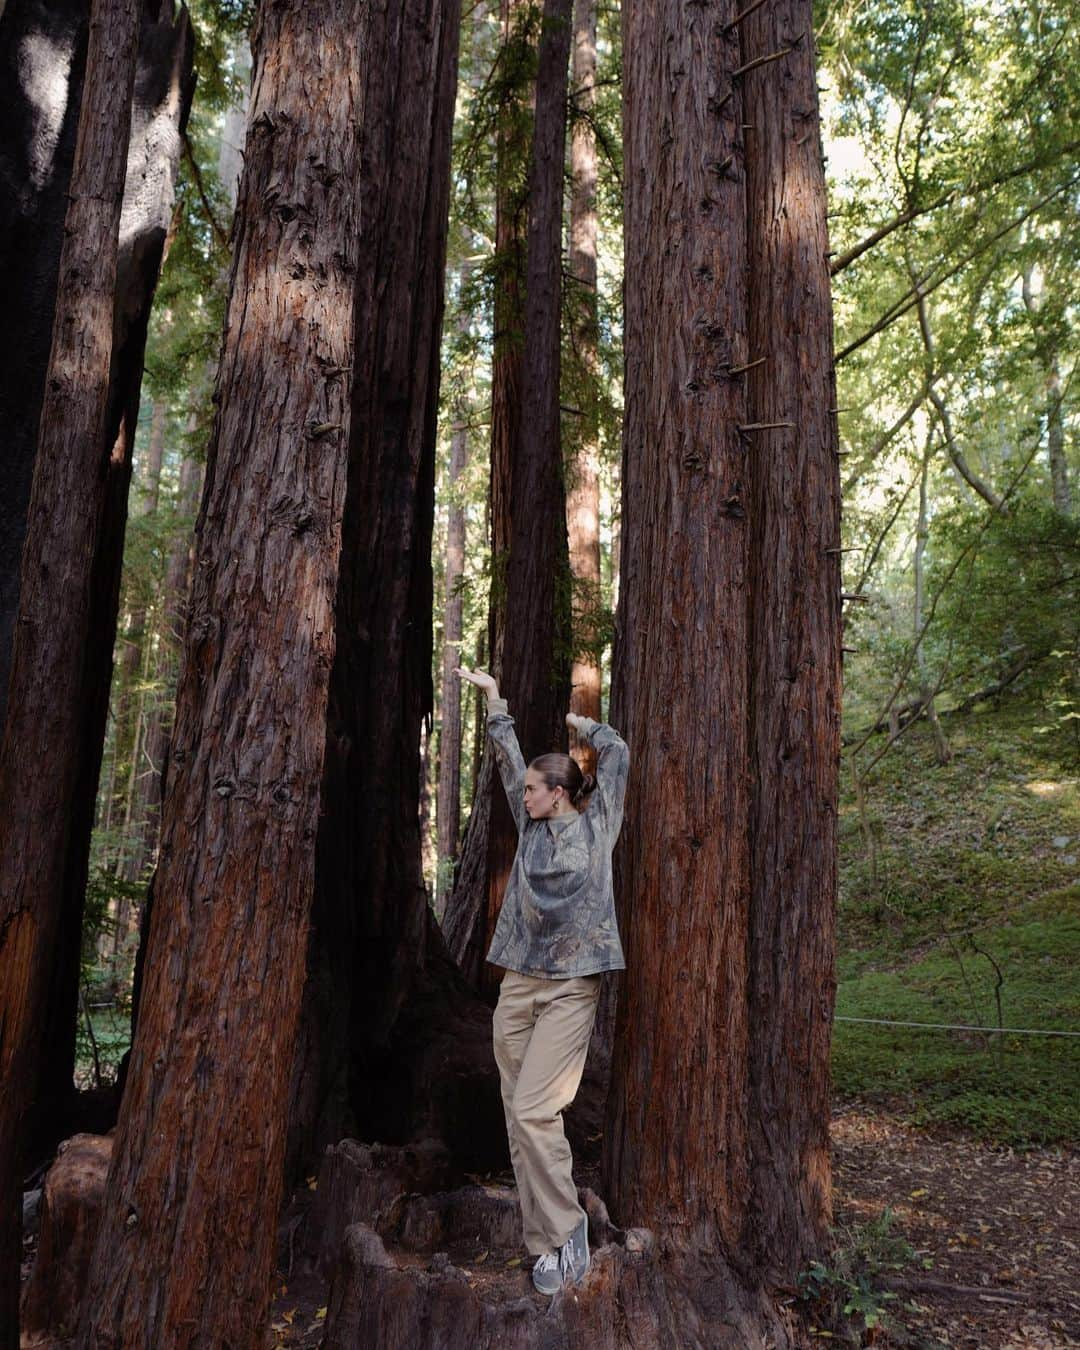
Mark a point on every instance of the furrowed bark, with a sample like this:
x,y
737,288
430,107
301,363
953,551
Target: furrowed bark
x,y
675,1148
794,644
56,603
180,1258
376,949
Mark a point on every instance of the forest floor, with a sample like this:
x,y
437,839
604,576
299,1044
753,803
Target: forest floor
x,y
943,1243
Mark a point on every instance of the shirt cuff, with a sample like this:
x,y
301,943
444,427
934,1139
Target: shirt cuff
x,y
496,706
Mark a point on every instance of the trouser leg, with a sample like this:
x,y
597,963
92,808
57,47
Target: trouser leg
x,y
547,1081
512,1031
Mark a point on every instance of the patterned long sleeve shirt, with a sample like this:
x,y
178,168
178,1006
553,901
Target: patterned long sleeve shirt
x,y
558,914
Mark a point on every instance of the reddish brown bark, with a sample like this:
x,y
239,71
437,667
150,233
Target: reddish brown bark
x,y
675,1144
794,643
583,469
376,951
32,227
533,582
487,851
186,1244
44,705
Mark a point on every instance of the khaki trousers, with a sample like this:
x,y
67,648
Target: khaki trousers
x,y
541,1031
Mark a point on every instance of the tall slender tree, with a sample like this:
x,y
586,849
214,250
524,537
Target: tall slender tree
x,y
178,1258
448,795
583,469
44,707
531,580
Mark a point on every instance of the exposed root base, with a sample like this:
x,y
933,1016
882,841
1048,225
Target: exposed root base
x,y
446,1269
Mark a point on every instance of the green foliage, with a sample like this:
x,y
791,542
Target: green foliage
x,y
1020,597
847,1285
958,904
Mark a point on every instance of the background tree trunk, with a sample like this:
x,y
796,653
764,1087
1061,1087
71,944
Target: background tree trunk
x,y
490,832
583,468
178,1258
533,672
794,643
675,1154
38,771
31,224
448,796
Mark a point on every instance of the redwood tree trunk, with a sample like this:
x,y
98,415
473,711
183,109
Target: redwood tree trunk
x,y
727,661
535,666
375,947
675,1154
533,585
583,488
56,602
490,838
30,235
186,1245
794,642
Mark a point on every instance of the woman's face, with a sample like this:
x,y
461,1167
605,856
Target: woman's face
x,y
540,800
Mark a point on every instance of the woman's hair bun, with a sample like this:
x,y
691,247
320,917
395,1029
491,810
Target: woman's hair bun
x,y
588,784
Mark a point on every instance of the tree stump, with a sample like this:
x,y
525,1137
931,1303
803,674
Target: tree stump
x,y
70,1212
635,1297
413,1262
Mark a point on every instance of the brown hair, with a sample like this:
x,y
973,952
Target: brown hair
x,y
558,770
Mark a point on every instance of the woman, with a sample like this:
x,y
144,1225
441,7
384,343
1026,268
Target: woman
x,y
555,936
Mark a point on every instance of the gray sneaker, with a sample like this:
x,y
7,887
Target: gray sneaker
x,y
574,1253
547,1273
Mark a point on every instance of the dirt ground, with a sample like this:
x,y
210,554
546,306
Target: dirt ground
x,y
996,1235
997,1232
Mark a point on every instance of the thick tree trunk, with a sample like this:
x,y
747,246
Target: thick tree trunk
x,y
533,584
376,950
727,655
44,712
794,643
583,488
31,226
186,1245
675,1149
448,796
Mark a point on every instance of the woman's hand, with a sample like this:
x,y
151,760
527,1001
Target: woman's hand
x,y
483,681
578,724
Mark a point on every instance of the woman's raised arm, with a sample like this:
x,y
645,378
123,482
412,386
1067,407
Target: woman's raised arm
x,y
508,756
612,767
